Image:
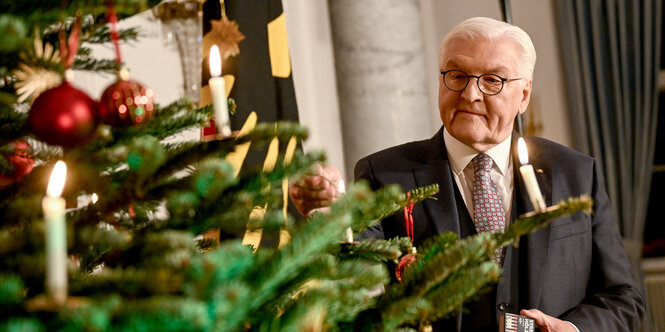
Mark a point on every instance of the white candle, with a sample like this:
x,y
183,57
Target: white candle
x,y
529,177
56,235
218,91
349,235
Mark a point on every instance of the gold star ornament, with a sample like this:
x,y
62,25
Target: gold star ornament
x,y
226,34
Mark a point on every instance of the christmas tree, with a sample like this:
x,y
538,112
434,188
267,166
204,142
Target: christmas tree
x,y
119,248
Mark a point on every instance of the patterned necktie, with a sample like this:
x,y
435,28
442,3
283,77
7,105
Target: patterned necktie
x,y
488,213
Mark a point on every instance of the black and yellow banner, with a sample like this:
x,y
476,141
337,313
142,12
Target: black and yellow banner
x,y
261,79
257,73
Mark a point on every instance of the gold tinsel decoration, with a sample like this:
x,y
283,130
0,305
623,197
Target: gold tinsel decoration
x,y
32,81
226,35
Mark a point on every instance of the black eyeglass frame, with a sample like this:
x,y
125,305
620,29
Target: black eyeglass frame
x,y
468,78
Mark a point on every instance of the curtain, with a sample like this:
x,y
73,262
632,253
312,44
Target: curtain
x,y
611,51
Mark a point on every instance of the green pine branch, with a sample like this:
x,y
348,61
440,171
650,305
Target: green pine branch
x,y
535,220
108,66
308,239
102,35
449,272
52,12
447,299
13,125
160,312
465,286
180,155
375,250
310,316
11,240
205,205
168,121
150,167
395,200
12,290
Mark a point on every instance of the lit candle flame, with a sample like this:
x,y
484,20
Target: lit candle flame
x,y
215,62
57,181
522,152
94,198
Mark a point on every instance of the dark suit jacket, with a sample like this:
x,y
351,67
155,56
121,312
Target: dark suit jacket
x,y
575,269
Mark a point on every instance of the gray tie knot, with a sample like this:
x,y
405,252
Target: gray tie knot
x,y
482,162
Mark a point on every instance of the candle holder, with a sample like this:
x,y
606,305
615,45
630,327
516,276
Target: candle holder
x,y
545,210
48,304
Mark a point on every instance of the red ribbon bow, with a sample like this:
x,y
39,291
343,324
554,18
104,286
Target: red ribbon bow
x,y
408,217
113,19
69,47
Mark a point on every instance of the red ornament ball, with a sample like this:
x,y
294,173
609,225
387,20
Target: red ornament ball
x,y
21,161
125,103
63,116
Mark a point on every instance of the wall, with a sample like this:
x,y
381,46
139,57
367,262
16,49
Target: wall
x,y
310,43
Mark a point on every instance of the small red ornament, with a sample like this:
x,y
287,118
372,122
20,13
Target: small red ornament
x,y
406,261
21,161
410,258
63,116
126,102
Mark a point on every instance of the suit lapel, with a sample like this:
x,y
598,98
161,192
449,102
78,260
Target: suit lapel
x,y
436,169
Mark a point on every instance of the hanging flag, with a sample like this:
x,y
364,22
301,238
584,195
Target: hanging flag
x,y
260,72
256,68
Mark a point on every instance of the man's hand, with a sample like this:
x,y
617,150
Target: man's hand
x,y
548,323
315,191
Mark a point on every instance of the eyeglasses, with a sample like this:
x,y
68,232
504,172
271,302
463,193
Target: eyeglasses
x,y
489,84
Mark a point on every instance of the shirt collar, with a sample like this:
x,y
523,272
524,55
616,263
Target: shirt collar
x,y
460,154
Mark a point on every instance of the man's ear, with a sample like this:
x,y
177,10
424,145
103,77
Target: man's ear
x,y
526,96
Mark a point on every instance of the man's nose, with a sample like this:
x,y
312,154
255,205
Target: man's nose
x,y
472,91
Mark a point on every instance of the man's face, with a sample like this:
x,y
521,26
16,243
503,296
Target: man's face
x,y
478,120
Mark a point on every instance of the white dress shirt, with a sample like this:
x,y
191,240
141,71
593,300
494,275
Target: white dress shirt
x,y
461,156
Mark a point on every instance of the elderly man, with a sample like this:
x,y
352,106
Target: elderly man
x,y
570,276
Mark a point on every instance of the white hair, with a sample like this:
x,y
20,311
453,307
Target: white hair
x,y
493,30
